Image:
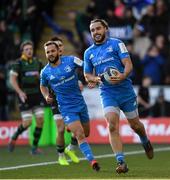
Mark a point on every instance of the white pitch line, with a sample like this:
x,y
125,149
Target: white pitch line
x,y
97,157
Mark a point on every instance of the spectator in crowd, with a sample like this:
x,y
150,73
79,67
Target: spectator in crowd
x,y
147,19
19,20
6,42
141,41
144,98
121,26
129,17
59,30
138,6
81,21
25,16
153,64
99,8
160,22
163,46
119,8
161,107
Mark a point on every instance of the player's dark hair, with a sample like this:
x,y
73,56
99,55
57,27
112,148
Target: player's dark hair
x,y
51,43
56,38
23,44
102,21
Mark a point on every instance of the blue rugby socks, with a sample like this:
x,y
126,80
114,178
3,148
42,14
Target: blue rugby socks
x,y
86,150
120,158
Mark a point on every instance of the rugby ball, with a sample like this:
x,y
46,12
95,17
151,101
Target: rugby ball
x,y
110,72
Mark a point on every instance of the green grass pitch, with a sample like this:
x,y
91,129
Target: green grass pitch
x,y
16,165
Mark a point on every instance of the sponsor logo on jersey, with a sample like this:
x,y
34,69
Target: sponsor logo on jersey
x,y
65,80
32,73
122,48
78,61
101,61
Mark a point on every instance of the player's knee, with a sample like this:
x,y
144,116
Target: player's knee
x,y
79,134
61,129
27,123
39,122
135,126
112,128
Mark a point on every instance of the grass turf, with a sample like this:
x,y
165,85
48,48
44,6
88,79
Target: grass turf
x,y
140,167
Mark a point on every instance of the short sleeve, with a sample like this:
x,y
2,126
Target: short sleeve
x,y
78,62
43,79
121,49
88,66
15,67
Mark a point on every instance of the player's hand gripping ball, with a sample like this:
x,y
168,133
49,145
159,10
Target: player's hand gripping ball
x,y
110,72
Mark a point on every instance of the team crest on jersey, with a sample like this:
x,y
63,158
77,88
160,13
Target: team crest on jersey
x,y
67,68
109,49
91,56
52,77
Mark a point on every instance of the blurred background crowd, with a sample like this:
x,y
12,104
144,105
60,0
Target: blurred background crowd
x,y
143,25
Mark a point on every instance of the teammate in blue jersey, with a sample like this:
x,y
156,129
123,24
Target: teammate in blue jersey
x,y
117,93
60,73
69,150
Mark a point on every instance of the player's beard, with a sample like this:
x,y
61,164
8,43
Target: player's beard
x,y
99,41
53,59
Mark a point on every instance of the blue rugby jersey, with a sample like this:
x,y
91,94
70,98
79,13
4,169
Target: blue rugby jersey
x,y
64,82
110,53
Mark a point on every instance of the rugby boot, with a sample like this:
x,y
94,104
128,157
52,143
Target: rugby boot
x,y
95,165
122,168
72,155
62,160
